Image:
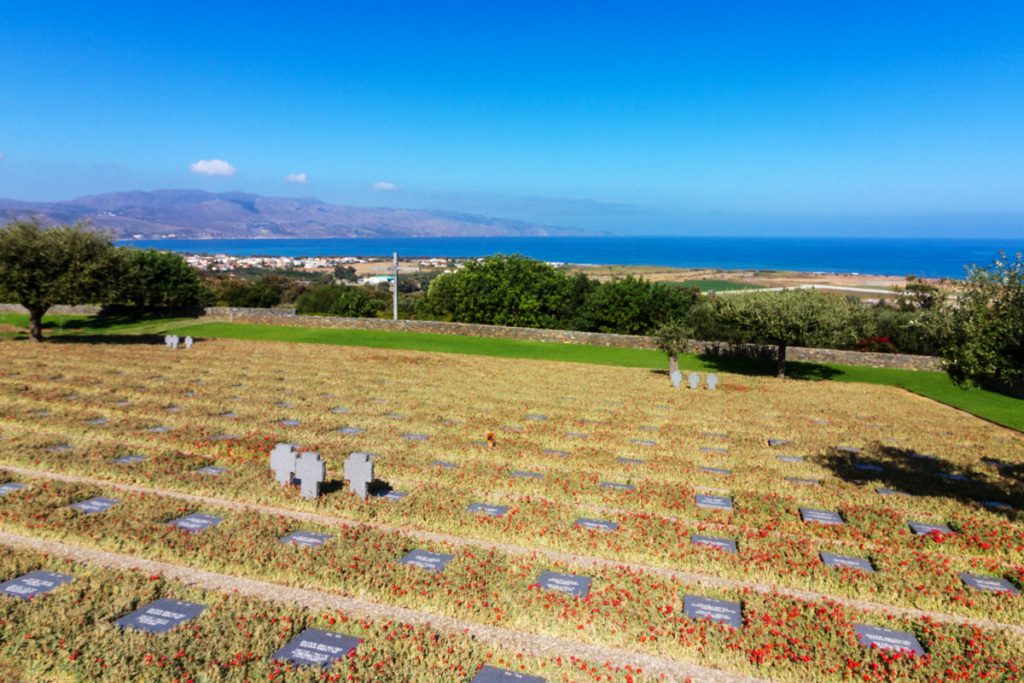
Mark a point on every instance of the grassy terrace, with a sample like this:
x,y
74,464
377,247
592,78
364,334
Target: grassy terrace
x,y
1003,410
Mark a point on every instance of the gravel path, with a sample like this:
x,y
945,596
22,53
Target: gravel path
x,y
581,561
527,643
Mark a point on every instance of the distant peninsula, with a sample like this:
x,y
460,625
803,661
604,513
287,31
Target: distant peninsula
x,y
194,214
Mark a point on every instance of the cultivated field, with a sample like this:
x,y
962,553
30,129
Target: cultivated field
x,y
667,500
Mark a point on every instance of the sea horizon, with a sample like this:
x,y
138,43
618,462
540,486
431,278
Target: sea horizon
x,y
889,256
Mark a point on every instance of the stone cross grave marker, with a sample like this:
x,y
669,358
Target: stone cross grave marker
x,y
573,584
860,563
33,583
723,611
433,562
188,342
490,674
161,615
694,380
311,472
712,381
283,458
314,647
888,639
677,378
359,473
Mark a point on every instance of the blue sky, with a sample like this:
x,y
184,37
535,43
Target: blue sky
x,y
902,118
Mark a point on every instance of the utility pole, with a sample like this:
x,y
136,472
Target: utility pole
x,y
394,284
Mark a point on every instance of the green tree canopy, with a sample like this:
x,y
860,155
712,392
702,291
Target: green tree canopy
x,y
673,337
154,279
41,267
342,300
985,345
797,317
633,305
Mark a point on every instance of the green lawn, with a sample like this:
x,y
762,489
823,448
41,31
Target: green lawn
x,y
997,408
713,285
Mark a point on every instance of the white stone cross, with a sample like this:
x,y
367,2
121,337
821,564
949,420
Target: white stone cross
x,y
694,380
188,342
677,378
282,460
312,471
712,381
359,472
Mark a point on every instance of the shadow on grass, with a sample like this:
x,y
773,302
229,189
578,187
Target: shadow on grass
x,y
1000,489
119,316
136,339
765,367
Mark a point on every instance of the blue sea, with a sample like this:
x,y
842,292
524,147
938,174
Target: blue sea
x,y
923,257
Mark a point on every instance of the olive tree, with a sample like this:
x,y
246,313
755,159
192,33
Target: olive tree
x,y
40,267
985,344
673,337
798,317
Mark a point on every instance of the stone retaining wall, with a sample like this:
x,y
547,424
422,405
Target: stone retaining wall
x,y
287,316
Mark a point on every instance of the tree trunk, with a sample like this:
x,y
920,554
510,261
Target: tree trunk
x,y
782,361
35,324
673,363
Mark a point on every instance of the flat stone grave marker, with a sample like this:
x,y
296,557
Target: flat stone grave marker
x,y
9,487
861,563
96,422
159,429
804,480
444,464
308,539
224,437
573,584
394,416
643,442
726,544
713,502
791,458
716,435
924,528
190,393
129,459
716,470
997,505
953,477
723,611
61,448
71,397
555,451
774,443
351,430
289,423
888,639
123,402
852,450
647,428
577,435
596,524
172,409
314,647
868,467
630,461
511,428
160,616
535,417
994,584
228,415
616,486
41,413
391,495
195,522
487,509
490,674
339,410
411,436
34,583
284,404
882,491
821,516
996,462
522,474
92,506
713,449
433,562
212,470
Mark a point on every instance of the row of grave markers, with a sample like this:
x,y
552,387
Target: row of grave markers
x,y
197,522
314,647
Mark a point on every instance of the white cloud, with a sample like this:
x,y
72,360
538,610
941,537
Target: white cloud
x,y
300,178
212,167
384,186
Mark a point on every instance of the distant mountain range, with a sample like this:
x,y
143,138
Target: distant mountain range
x,y
194,214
